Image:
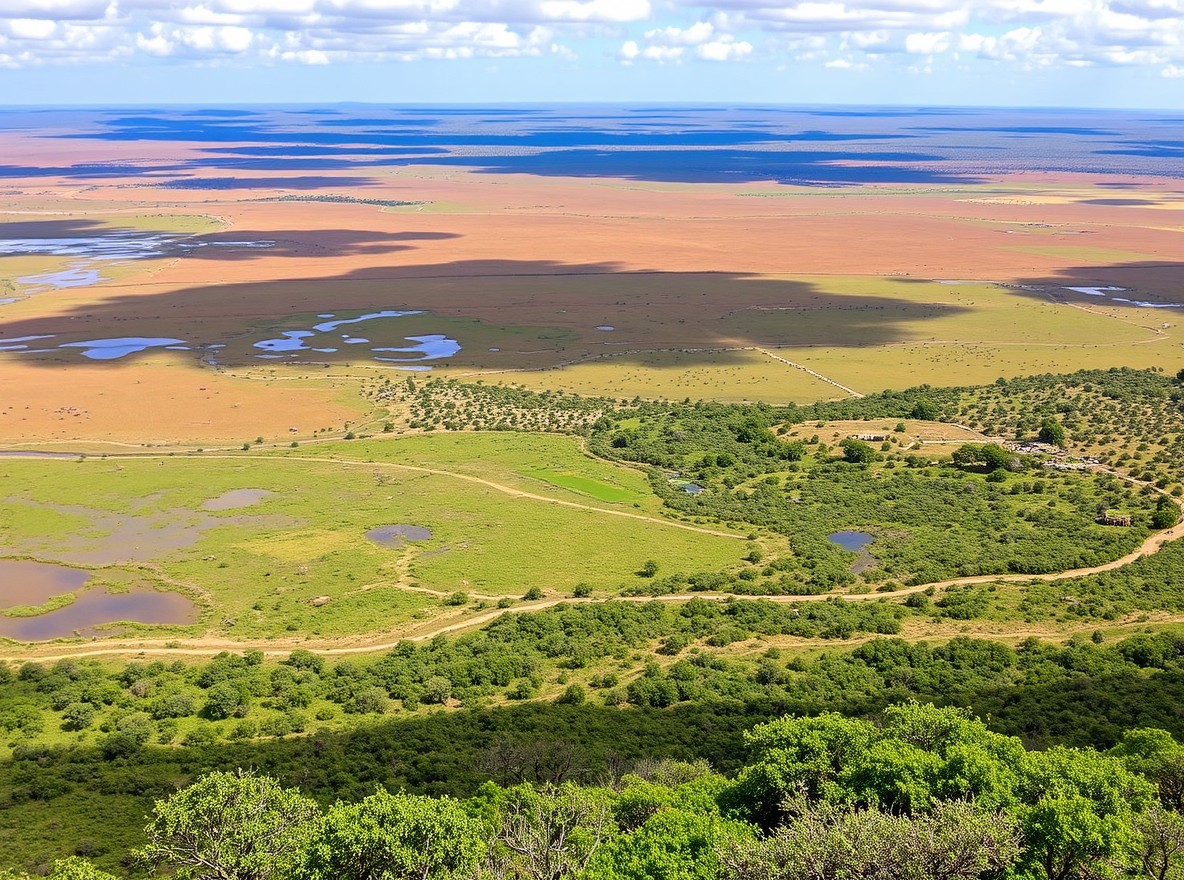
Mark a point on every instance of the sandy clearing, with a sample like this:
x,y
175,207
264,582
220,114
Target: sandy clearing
x,y
161,401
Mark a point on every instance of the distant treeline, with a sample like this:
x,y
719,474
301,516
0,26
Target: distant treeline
x,y
340,200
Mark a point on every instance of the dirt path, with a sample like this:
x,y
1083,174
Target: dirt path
x,y
819,376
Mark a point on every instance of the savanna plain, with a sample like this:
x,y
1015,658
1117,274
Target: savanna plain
x,y
631,494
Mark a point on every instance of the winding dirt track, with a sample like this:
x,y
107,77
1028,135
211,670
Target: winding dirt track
x,y
207,646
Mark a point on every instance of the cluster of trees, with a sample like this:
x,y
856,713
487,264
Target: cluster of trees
x,y
972,516
237,697
579,653
446,404
927,793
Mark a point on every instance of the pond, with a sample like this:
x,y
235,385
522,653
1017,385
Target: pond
x,y
235,498
394,536
93,608
851,540
25,582
32,583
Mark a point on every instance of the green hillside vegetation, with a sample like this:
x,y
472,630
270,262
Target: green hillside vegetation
x,y
926,793
548,710
93,744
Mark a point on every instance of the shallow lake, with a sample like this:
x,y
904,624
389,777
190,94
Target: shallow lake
x,y
93,608
32,583
850,540
292,343
394,536
107,245
236,498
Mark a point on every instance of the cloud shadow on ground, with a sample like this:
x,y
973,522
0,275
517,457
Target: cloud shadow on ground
x,y
651,310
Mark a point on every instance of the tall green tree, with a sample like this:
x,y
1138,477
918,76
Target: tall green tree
x,y
1081,813
398,837
551,833
231,826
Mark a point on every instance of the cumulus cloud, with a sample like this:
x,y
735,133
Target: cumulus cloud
x,y
594,10
726,48
839,34
671,43
699,32
926,44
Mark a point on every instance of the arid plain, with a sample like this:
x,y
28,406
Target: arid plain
x,y
746,291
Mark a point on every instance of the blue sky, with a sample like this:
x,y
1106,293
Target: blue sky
x,y
1108,53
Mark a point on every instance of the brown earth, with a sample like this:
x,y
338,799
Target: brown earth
x,y
664,264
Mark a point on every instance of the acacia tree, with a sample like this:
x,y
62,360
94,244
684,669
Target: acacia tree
x,y
957,841
231,826
857,452
1081,817
1052,432
1155,754
1161,855
551,833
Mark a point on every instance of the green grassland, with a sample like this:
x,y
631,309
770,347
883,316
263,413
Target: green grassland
x,y
527,462
256,570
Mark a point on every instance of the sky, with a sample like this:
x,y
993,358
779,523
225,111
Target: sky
x,y
1065,53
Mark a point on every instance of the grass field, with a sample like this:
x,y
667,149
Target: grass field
x,y
518,512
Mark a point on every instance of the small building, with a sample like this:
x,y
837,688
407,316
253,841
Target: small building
x,y
1106,518
870,438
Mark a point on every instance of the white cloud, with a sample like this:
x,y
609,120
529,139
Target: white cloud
x,y
700,32
306,56
726,48
1173,71
32,28
662,54
1021,34
926,44
595,10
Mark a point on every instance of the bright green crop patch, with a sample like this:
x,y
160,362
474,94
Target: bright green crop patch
x,y
585,485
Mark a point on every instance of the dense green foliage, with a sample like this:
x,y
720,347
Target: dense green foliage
x,y
1082,694
928,793
584,692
